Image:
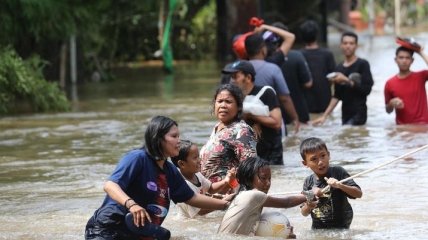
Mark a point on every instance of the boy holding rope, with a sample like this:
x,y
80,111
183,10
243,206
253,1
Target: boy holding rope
x,y
333,209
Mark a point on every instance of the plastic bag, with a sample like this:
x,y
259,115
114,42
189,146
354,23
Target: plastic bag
x,y
252,104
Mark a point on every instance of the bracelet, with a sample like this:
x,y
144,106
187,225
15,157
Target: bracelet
x,y
132,205
233,184
126,202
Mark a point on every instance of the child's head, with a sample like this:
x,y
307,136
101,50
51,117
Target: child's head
x,y
254,172
315,155
187,159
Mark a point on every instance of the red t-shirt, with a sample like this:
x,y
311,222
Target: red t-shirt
x,y
411,90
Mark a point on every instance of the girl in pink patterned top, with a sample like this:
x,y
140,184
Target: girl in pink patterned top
x,y
232,140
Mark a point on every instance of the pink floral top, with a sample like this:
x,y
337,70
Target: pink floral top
x,y
226,149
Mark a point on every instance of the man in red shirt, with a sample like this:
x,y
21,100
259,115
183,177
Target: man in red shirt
x,y
405,92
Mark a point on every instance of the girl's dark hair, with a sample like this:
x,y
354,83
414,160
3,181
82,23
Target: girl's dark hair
x,y
185,146
155,133
236,93
247,170
311,145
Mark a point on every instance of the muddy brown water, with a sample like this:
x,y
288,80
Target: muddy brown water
x,y
52,166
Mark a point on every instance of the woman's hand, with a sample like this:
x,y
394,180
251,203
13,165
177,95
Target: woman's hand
x,y
139,214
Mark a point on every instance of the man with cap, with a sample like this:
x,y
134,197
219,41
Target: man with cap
x,y
269,74
267,127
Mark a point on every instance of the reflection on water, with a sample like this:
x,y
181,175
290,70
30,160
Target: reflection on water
x,y
52,166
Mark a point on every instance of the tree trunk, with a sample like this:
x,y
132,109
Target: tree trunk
x,y
63,65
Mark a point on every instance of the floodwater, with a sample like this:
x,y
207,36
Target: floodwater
x,y
52,166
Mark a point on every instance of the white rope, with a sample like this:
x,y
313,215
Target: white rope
x,y
284,193
379,166
361,173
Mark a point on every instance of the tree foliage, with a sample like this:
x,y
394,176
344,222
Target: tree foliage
x,y
22,81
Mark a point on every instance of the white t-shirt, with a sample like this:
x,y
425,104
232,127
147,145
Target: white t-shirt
x,y
190,211
243,213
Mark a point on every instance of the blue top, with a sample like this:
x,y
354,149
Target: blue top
x,y
148,185
271,75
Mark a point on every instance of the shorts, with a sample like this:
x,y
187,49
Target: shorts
x,y
110,223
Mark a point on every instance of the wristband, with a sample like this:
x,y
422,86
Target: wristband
x,y
234,183
132,205
126,202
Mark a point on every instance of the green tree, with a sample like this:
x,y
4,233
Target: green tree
x,y
23,82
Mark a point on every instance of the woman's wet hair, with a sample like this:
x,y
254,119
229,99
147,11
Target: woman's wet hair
x,y
236,93
155,133
247,170
311,145
185,146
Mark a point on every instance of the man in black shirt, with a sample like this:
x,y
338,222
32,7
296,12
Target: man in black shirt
x,y
268,126
321,62
353,82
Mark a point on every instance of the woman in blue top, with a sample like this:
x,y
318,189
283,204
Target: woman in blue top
x,y
141,187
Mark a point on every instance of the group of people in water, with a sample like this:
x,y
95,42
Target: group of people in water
x,y
140,188
231,172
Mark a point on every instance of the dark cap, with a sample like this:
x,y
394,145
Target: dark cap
x,y
241,65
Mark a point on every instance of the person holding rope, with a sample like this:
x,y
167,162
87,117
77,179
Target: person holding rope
x,y
254,176
332,209
140,189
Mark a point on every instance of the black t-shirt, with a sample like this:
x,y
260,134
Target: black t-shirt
x,y
334,210
354,108
321,62
270,139
276,57
296,73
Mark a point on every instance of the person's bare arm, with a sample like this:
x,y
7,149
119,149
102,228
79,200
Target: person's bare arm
x,y
274,120
423,55
116,193
288,105
205,202
225,184
308,84
352,191
395,103
288,37
284,202
307,207
330,108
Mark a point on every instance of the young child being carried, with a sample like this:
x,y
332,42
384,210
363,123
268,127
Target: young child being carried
x,y
189,164
332,210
